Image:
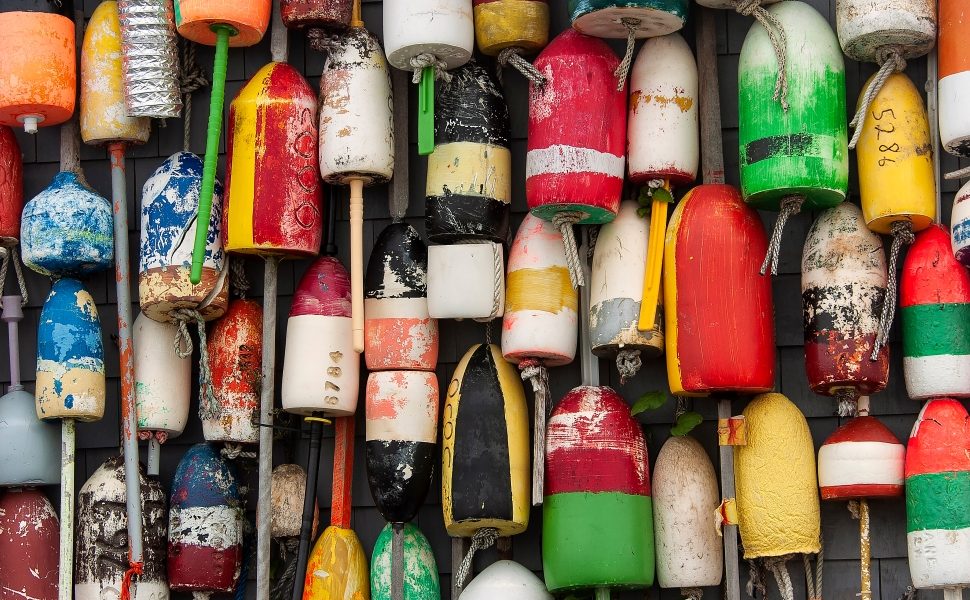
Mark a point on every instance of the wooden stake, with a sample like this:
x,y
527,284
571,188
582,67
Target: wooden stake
x,y
357,261
397,562
264,498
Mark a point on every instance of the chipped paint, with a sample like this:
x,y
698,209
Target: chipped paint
x,y
29,534
420,568
501,24
329,14
867,26
602,18
337,567
288,491
235,346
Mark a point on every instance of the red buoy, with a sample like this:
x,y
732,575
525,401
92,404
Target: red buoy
x,y
11,187
29,534
235,347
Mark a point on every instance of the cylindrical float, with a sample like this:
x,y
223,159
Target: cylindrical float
x,y
67,229
273,200
321,371
443,28
420,568
685,495
163,379
960,225
469,183
401,440
466,281
288,490
29,542
169,205
934,300
249,19
235,346
711,285
620,18
501,24
398,331
862,459
11,187
101,555
954,77
867,26
328,14
506,579
70,355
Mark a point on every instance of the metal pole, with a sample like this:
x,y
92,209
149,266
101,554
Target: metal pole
x,y
932,106
264,497
309,501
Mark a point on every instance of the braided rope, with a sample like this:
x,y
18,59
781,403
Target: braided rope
x,y
9,255
283,588
902,234
483,538
237,276
779,41
623,69
777,567
756,579
958,174
191,78
694,593
208,407
890,61
848,402
628,364
513,56
232,451
564,221
790,206
498,273
420,62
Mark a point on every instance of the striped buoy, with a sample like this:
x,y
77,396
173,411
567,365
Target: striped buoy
x,y
506,579
29,535
960,225
862,459
163,379
11,187
954,77
420,568
235,346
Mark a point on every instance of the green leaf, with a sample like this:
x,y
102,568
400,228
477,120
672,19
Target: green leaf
x,y
649,401
644,198
685,423
662,195
643,211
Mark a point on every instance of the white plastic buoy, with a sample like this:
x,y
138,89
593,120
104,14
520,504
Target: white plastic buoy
x,y
466,281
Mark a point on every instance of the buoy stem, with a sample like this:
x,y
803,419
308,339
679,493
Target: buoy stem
x,y
12,314
154,456
213,133
355,19
65,579
397,561
426,112
655,257
309,503
343,469
357,261
264,499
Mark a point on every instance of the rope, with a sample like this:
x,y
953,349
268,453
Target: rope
x,y
779,41
232,451
902,234
134,568
237,276
790,206
958,174
564,221
909,594
777,567
192,78
283,588
628,363
513,56
483,538
890,61
694,593
681,407
498,283
423,60
146,434
594,234
819,561
208,407
320,40
848,402
9,255
813,586
756,579
623,69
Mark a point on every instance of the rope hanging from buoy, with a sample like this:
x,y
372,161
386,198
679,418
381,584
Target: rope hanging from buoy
x,y
890,61
628,363
848,402
424,60
208,407
779,41
192,78
777,567
513,56
623,69
484,538
790,206
564,221
9,255
902,234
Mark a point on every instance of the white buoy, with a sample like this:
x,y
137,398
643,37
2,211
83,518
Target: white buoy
x,y
466,281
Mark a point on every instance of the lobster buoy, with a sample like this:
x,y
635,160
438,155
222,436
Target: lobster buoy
x,y
466,281
420,568
198,20
163,379
843,289
29,535
954,78
700,360
469,183
101,558
577,137
934,299
520,25
937,476
506,579
441,28
11,187
791,152
205,526
287,493
865,28
685,494
398,331
321,371
169,205
273,194
862,459
960,225
235,347
628,18
38,76
67,229
104,117
70,355
329,14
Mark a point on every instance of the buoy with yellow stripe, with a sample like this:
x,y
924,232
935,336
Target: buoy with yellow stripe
x,y
954,77
485,462
507,29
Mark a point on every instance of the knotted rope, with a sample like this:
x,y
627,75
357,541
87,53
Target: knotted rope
x,y
623,69
232,451
779,41
902,234
513,56
628,364
564,221
135,568
777,567
890,61
848,402
694,593
238,279
9,254
536,373
424,60
208,407
283,588
790,206
191,78
483,538
160,436
756,579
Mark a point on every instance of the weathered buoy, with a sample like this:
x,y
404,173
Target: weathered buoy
x,y
934,299
169,205
843,288
273,195
865,28
321,371
792,153
289,487
685,494
506,579
329,14
70,355
235,346
466,281
103,115
199,20
960,225
954,77
597,521
163,379
577,137
67,229
205,526
699,306
11,187
420,568
102,536
862,459
38,76
398,331
401,440
937,501
29,541
469,183
623,18
521,25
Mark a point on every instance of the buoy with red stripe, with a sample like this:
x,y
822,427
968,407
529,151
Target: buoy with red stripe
x,y
321,371
934,299
711,285
507,29
597,518
101,558
577,138
327,14
938,497
954,77
506,579
29,542
235,347
11,187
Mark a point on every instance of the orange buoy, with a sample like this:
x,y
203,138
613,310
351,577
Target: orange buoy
x,y
235,353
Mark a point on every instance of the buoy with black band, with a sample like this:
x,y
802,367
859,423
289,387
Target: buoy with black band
x,y
507,29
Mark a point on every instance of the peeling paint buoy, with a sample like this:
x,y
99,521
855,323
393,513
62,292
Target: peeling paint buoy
x,y
235,346
163,379
519,24
620,18
29,536
420,568
328,14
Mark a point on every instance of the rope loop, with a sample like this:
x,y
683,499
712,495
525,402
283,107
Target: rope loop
x,y
9,254
790,206
135,568
779,42
232,451
848,402
628,364
623,69
483,538
513,56
902,233
208,407
564,221
425,59
776,565
890,61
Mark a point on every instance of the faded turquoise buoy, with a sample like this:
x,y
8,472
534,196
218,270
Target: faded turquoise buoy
x,y
420,569
609,18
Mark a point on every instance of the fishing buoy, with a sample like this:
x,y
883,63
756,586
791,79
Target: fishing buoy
x,y
616,295
273,195
235,347
163,379
38,77
398,331
469,183
792,154
697,310
11,187
329,14
70,355
67,229
169,204
29,541
466,281
954,78
843,288
420,568
597,521
509,28
935,314
862,459
960,225
205,525
577,138
619,19
289,486
102,536
685,495
321,371
506,579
